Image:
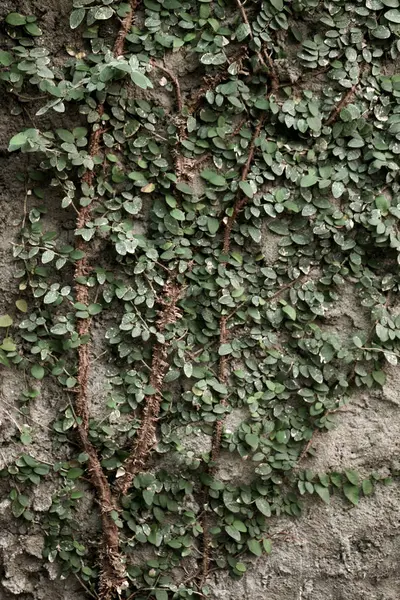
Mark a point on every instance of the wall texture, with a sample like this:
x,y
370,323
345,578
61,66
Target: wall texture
x,y
335,552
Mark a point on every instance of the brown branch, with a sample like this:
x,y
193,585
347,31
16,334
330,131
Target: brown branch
x,y
146,437
82,269
244,17
286,287
272,73
269,64
223,364
348,96
210,82
241,203
124,30
175,83
113,574
204,571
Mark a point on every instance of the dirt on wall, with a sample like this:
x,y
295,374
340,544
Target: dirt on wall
x,y
334,552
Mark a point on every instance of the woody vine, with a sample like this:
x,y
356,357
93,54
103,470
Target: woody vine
x,y
180,186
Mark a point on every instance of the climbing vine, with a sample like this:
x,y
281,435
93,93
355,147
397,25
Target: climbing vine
x,y
232,167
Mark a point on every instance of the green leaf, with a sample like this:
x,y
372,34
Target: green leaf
x,y
242,32
141,80
74,473
351,492
172,375
367,487
279,227
308,180
161,595
5,321
71,382
213,177
241,567
5,58
290,312
233,533
352,476
267,546
23,500
382,203
255,234
65,136
3,359
47,256
379,377
381,32
393,16
17,509
252,440
76,495
178,214
17,141
25,437
212,225
225,349
148,497
263,506
37,371
254,547
8,345
240,526
33,29
322,492
103,13
94,309
184,188
76,17
337,189
188,369
15,19
22,305
246,188
42,470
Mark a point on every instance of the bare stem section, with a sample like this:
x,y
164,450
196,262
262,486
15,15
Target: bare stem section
x,y
125,28
113,575
146,437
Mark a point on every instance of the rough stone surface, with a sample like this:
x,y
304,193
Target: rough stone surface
x,y
333,552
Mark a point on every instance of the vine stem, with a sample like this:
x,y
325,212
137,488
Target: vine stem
x,y
239,204
113,575
223,329
124,29
168,314
223,368
342,104
347,98
146,437
175,82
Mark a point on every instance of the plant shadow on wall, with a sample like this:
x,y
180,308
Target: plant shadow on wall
x,y
199,140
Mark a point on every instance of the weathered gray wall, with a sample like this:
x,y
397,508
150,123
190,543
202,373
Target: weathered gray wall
x,y
335,552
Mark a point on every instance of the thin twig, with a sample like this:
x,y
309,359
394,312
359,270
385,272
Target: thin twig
x,y
245,18
342,104
174,80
